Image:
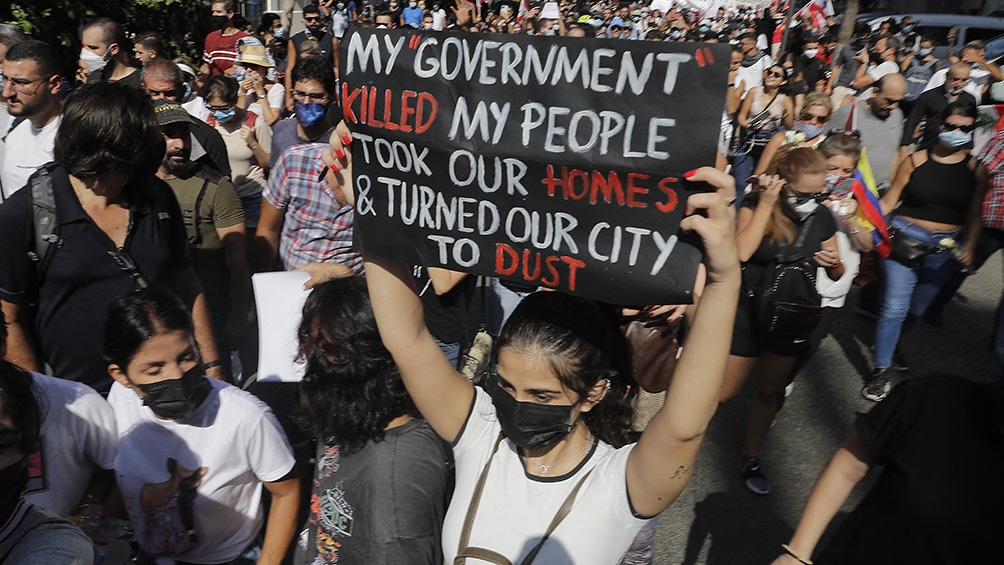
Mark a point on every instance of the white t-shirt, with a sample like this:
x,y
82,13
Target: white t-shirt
x,y
233,439
517,508
978,79
78,435
885,68
276,97
753,75
439,20
25,150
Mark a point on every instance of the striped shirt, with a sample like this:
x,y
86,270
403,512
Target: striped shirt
x,y
221,51
315,228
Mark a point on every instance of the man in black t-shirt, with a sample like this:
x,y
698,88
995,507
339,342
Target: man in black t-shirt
x,y
119,229
313,29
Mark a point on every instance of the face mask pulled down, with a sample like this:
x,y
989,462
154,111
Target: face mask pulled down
x,y
530,425
175,399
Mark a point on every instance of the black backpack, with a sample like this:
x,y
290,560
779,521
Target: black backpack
x,y
785,300
45,225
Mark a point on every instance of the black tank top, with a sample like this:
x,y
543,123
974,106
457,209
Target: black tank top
x,y
324,40
939,193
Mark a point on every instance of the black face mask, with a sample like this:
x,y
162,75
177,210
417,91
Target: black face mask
x,y
177,398
219,21
13,479
530,425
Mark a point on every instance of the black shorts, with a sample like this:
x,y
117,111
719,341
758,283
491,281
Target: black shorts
x,y
750,341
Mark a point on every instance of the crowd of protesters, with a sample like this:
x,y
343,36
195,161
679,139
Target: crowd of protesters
x,y
138,196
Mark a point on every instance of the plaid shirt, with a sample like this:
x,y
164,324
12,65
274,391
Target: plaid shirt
x,y
315,229
993,205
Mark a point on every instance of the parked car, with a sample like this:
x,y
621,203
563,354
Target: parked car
x,y
936,26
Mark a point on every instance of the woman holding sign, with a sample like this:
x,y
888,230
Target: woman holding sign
x,y
544,470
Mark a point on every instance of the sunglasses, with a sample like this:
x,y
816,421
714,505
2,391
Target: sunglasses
x,y
775,74
812,118
311,19
219,108
953,127
836,131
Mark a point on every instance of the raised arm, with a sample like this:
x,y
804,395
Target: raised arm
x,y
753,223
845,470
442,395
662,462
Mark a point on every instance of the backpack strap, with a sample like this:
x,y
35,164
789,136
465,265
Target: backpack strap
x,y
13,126
45,225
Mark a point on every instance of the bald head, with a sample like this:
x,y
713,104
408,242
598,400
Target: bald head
x,y
887,94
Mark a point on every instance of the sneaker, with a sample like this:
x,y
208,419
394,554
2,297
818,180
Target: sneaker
x,y
753,476
899,362
877,387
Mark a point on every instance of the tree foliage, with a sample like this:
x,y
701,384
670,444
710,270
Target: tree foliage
x,y
58,22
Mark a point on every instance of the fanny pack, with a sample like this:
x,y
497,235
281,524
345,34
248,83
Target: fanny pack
x,y
907,249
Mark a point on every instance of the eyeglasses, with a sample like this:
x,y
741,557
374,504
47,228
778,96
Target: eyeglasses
x,y
953,127
313,96
807,117
21,84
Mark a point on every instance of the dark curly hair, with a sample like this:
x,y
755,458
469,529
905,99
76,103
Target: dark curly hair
x,y
582,343
352,389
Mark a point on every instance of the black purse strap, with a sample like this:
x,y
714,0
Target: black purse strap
x,y
464,551
766,109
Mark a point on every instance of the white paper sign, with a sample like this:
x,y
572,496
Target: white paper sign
x,y
279,298
550,11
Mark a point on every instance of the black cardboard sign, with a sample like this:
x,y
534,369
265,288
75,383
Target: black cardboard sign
x,y
549,161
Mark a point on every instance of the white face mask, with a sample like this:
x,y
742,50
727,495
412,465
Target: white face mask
x,y
93,61
810,53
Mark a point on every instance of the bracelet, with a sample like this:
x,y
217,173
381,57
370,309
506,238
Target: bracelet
x,y
792,553
212,365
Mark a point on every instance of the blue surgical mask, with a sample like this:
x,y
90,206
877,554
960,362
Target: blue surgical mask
x,y
789,71
308,113
224,116
810,130
955,138
925,52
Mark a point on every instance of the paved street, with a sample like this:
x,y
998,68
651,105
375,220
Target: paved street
x,y
717,521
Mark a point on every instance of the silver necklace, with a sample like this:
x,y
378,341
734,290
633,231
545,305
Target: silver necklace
x,y
543,469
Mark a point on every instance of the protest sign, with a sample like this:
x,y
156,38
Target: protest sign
x,y
548,161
